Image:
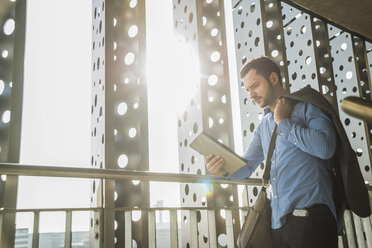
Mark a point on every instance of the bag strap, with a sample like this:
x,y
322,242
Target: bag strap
x,y
266,174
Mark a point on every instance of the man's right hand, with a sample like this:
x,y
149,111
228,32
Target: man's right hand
x,y
214,164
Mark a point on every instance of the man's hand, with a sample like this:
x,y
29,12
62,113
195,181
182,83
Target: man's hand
x,y
214,164
282,110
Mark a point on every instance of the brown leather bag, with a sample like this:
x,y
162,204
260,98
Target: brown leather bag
x,y
256,230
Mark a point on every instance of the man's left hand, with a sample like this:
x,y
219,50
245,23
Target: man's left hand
x,y
282,110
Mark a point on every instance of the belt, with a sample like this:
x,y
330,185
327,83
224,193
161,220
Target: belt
x,y
313,210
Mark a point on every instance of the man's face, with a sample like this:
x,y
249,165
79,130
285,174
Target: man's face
x,y
260,90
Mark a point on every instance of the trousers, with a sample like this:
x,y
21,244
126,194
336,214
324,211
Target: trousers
x,y
318,229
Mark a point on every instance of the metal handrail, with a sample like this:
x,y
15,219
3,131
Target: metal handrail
x,y
117,174
121,174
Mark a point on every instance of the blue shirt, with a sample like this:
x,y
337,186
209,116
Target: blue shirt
x,y
299,176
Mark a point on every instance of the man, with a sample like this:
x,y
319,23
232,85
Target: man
x,y
303,211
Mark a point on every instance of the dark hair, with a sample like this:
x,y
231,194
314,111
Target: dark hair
x,y
263,66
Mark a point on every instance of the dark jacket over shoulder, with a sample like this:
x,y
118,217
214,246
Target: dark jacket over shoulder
x,y
351,191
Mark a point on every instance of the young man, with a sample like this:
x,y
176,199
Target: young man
x,y
303,211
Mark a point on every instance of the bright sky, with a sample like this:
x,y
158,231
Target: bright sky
x,y
57,96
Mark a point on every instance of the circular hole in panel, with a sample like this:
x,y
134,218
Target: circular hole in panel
x,y
308,60
347,121
294,76
223,213
133,31
3,178
231,198
133,3
9,27
185,116
136,215
221,120
123,161
198,216
353,135
204,20
135,105
349,75
192,159
252,7
223,99
366,168
300,52
343,46
4,54
115,196
359,152
212,80
2,86
194,197
289,31
215,56
269,24
303,29
210,121
204,200
222,239
122,108
274,53
214,32
209,1
257,41
6,116
224,186
255,191
251,127
211,99
195,127
258,21
182,167
322,70
187,189
191,17
136,182
129,58
132,132
205,239
242,24
115,224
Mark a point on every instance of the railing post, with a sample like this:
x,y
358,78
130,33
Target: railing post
x,y
173,228
212,229
68,229
368,230
349,229
193,230
229,229
152,229
359,231
35,232
109,214
128,229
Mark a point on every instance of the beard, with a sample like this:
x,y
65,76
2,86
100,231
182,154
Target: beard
x,y
268,98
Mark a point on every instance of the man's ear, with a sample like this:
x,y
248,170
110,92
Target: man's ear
x,y
274,78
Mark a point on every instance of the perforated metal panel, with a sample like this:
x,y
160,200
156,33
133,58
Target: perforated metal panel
x,y
97,114
119,107
7,38
258,32
200,25
300,51
12,47
347,81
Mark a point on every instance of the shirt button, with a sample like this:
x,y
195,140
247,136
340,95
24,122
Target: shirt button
x,y
274,179
281,133
295,143
275,196
272,161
